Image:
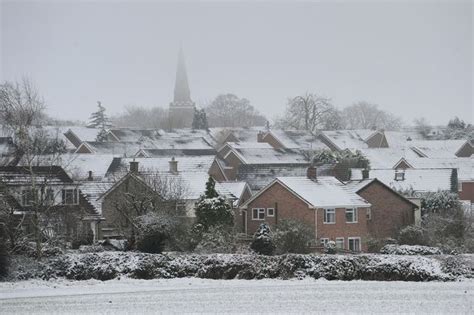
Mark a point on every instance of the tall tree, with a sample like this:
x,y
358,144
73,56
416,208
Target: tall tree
x,y
200,119
308,112
99,119
212,209
363,115
228,110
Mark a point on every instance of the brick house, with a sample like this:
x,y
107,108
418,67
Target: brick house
x,y
334,212
390,211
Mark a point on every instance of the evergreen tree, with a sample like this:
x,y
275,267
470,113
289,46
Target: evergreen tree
x,y
200,119
99,119
212,209
263,241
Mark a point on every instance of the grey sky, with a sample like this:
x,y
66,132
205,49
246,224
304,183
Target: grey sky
x,y
411,58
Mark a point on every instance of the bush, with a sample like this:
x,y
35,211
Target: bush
x,y
154,231
330,247
218,239
412,235
85,238
212,209
4,257
374,245
292,236
410,250
262,242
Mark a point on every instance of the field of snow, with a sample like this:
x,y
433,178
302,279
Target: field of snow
x,y
193,295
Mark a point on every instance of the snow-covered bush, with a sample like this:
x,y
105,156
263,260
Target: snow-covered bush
x,y
393,249
85,238
154,231
263,241
374,245
293,236
217,239
411,235
330,247
212,209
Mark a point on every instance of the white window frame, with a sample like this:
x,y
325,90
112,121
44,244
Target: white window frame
x,y
354,215
268,212
459,186
349,239
368,214
75,197
340,239
400,175
326,212
258,211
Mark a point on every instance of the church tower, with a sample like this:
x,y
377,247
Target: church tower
x,y
181,110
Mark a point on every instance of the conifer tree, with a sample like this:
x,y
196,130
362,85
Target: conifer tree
x,y
99,119
212,209
200,119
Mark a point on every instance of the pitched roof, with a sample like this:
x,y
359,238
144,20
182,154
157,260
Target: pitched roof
x,y
298,139
419,180
22,175
465,166
269,156
93,190
325,192
438,148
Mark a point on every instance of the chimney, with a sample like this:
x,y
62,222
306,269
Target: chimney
x,y
311,172
173,166
90,178
260,135
133,166
365,174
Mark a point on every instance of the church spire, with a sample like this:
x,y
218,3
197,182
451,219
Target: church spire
x,y
182,95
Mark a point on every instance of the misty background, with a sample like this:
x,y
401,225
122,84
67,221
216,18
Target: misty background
x,y
412,59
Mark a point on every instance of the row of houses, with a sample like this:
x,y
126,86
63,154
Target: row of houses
x,y
266,175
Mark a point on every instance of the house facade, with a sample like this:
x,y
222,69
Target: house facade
x,y
334,213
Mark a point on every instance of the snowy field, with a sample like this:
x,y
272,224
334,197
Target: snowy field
x,y
193,295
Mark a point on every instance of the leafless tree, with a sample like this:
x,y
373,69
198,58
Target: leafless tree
x,y
140,117
228,110
363,115
307,112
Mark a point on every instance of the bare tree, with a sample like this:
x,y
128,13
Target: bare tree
x,y
140,117
228,110
363,115
21,110
307,112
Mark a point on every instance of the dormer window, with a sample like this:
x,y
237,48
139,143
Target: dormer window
x,y
399,175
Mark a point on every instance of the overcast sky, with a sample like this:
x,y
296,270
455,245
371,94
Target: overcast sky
x,y
412,58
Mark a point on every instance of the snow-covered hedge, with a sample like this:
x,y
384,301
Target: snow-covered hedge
x,y
109,265
393,249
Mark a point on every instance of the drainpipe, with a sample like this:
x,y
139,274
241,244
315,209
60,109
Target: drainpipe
x,y
276,213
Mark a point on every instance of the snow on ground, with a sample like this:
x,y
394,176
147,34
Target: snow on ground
x,y
193,295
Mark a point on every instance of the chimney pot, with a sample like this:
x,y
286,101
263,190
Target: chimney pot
x,y
311,172
365,174
260,135
90,178
173,166
133,166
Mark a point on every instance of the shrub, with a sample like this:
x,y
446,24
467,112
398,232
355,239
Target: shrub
x,y
292,236
212,209
4,257
330,247
85,238
410,250
154,231
411,235
374,245
263,241
218,239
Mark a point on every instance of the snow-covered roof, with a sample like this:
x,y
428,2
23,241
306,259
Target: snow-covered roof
x,y
114,148
465,166
186,164
400,139
387,157
79,165
438,148
241,134
21,175
93,190
133,135
348,139
269,156
298,139
419,180
235,188
325,192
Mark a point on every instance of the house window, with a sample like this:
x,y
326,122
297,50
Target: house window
x,y
324,241
69,197
351,215
368,215
49,196
329,216
399,175
258,213
354,244
27,197
270,212
340,242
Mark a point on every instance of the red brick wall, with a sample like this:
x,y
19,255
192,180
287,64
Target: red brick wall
x,y
389,211
288,206
216,172
467,192
378,140
270,139
466,150
233,161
